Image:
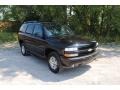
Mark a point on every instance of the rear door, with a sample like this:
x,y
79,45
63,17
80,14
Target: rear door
x,y
28,37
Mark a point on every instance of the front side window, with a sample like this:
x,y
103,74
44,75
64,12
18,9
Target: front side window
x,y
30,28
23,27
38,30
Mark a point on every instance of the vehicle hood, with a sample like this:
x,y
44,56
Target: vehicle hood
x,y
72,41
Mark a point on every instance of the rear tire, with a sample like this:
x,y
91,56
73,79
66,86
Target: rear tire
x,y
23,50
54,62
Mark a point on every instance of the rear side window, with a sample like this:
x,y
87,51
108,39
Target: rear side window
x,y
30,28
23,27
38,30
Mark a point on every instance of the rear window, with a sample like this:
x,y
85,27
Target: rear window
x,y
30,28
23,27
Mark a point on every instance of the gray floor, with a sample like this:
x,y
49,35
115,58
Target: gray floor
x,y
17,69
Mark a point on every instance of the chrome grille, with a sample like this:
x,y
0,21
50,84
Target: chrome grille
x,y
87,51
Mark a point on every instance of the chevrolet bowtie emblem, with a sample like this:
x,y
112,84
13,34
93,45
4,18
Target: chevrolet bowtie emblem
x,y
90,50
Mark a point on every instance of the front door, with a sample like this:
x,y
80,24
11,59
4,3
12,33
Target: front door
x,y
38,40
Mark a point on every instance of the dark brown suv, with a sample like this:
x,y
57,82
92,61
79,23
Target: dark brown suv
x,y
57,43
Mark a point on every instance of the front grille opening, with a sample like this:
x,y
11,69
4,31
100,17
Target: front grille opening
x,y
86,53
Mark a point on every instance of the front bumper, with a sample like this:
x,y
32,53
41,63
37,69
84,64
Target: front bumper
x,y
75,61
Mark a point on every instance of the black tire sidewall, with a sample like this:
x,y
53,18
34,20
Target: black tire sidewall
x,y
54,54
24,54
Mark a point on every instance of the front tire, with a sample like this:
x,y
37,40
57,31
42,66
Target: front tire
x,y
23,50
54,62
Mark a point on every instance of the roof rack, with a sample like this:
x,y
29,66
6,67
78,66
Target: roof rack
x,y
44,23
31,21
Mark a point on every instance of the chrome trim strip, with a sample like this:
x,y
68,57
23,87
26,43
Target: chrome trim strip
x,y
82,57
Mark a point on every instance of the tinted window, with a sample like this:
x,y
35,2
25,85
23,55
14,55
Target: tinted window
x,y
58,30
30,28
23,27
38,30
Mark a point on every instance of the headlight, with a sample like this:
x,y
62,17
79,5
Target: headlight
x,y
71,49
71,52
97,44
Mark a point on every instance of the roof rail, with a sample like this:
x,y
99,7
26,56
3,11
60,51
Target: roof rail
x,y
40,22
30,21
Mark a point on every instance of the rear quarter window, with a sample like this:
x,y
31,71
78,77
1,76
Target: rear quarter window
x,y
30,28
23,27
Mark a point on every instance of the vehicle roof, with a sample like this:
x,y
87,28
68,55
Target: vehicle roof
x,y
39,22
46,24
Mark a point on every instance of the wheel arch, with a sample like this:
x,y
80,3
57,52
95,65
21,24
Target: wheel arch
x,y
20,42
49,50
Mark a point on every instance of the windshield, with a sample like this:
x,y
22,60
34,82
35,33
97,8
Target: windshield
x,y
57,30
